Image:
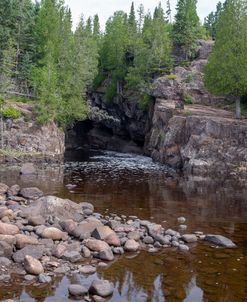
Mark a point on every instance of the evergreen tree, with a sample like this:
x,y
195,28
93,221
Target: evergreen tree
x,y
187,27
226,71
96,26
7,70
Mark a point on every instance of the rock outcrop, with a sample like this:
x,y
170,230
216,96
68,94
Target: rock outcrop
x,y
195,138
198,140
27,140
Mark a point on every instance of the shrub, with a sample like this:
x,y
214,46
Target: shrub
x,y
99,79
111,91
11,112
189,78
145,103
188,99
171,77
184,63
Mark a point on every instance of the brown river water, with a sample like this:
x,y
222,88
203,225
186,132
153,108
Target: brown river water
x,y
134,185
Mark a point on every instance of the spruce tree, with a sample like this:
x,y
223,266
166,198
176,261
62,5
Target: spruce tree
x,y
187,27
226,71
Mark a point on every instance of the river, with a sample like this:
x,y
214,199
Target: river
x,y
134,185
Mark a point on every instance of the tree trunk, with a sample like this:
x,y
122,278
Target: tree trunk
x,y
238,108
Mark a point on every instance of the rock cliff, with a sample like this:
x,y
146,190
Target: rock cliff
x,y
25,139
198,140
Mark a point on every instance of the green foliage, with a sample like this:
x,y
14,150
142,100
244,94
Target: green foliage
x,y
67,65
189,78
226,71
111,91
11,112
211,21
171,77
188,99
146,102
186,29
184,63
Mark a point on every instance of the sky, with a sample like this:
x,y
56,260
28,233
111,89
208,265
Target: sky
x,y
106,8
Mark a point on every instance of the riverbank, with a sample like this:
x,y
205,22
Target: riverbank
x,y
44,236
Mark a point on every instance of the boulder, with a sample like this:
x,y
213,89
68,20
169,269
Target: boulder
x,y
59,250
183,248
220,240
77,290
87,205
5,261
85,229
32,265
10,239
31,193
27,169
106,255
53,206
36,220
13,190
23,240
134,235
68,225
3,189
87,269
8,229
6,250
54,234
101,232
131,245
44,278
102,288
189,238
85,252
113,239
96,245
73,256
36,251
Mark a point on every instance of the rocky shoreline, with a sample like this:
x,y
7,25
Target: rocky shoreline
x,y
44,236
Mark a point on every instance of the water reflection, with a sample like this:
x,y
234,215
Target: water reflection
x,y
134,185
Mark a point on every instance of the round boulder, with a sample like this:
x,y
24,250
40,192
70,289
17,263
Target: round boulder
x,y
32,265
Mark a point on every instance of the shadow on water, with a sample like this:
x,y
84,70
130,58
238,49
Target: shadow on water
x,y
134,185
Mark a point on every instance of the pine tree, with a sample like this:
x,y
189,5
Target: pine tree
x,y
187,27
96,26
7,70
226,71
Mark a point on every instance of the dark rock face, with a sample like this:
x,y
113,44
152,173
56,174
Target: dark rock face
x,y
118,126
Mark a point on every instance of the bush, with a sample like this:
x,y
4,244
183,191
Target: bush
x,y
111,91
188,100
189,78
99,79
145,103
11,112
184,63
171,77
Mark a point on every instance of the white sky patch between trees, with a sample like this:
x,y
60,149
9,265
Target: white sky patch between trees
x,y
106,8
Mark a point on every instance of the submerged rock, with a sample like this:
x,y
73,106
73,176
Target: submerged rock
x,y
220,240
31,193
27,169
77,290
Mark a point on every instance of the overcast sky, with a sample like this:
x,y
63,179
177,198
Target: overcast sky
x,y
106,8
